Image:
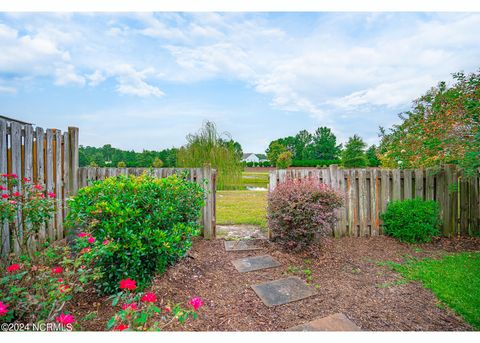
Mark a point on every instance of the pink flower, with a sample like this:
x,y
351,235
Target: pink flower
x,y
57,270
26,179
105,242
65,319
5,196
5,175
120,327
168,309
2,188
196,303
83,234
131,306
39,187
13,267
91,239
13,176
149,298
60,280
16,194
13,202
51,195
3,309
128,284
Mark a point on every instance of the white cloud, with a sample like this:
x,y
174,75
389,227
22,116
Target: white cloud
x,y
95,78
133,82
67,75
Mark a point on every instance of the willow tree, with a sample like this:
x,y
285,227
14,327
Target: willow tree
x,y
208,146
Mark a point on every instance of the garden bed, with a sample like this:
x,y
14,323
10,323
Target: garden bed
x,y
348,274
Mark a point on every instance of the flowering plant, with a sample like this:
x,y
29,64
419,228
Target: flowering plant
x,y
25,207
139,311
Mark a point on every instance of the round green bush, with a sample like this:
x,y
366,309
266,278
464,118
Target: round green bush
x,y
412,220
148,222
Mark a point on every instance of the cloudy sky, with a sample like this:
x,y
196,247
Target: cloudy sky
x,y
145,80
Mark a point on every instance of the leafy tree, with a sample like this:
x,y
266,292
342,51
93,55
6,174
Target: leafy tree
x,y
207,146
303,140
121,164
274,150
372,158
157,163
324,145
233,145
353,156
442,127
284,160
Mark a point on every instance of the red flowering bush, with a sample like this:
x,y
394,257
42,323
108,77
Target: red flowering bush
x,y
297,209
30,202
38,289
139,312
144,224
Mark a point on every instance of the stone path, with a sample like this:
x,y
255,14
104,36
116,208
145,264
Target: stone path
x,y
284,291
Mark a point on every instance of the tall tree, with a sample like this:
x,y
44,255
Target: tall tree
x,y
372,157
353,156
274,150
324,145
303,139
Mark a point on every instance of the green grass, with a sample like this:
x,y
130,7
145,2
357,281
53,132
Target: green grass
x,y
454,279
252,179
242,207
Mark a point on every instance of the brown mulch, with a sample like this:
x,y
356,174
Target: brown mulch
x,y
345,273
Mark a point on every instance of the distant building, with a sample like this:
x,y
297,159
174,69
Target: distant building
x,y
251,157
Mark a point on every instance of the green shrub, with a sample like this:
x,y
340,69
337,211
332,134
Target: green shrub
x,y
412,220
313,163
149,223
284,160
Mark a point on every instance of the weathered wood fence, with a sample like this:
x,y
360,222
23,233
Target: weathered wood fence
x,y
48,157
368,191
206,177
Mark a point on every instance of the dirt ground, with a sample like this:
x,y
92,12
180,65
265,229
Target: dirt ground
x,y
345,273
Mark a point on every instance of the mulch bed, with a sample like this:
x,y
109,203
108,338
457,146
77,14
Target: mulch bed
x,y
345,273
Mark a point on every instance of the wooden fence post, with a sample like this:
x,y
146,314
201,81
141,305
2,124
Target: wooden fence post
x,y
4,229
73,157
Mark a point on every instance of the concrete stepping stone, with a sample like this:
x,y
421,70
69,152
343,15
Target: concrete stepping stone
x,y
250,264
242,245
283,291
334,322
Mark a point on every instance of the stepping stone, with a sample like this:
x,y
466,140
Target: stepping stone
x,y
250,264
283,291
334,322
242,245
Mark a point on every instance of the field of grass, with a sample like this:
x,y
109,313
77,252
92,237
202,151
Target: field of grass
x,y
250,179
242,207
454,279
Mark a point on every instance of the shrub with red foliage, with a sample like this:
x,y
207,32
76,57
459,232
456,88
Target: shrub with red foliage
x,y
297,209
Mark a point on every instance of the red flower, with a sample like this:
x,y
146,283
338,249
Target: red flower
x,y
26,179
63,288
84,250
60,280
57,270
16,194
5,196
5,175
149,298
83,234
3,309
13,267
196,303
13,202
91,239
39,187
51,195
65,319
13,176
128,284
120,327
105,242
2,188
168,309
131,306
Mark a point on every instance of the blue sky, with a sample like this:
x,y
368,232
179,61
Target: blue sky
x,y
146,80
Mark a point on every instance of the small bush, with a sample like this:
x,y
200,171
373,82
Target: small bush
x,y
412,220
284,160
297,209
149,223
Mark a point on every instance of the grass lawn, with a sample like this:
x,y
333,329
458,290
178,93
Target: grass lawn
x,y
250,179
454,279
242,207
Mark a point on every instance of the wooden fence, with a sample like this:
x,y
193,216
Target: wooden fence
x,y
368,191
48,157
198,175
